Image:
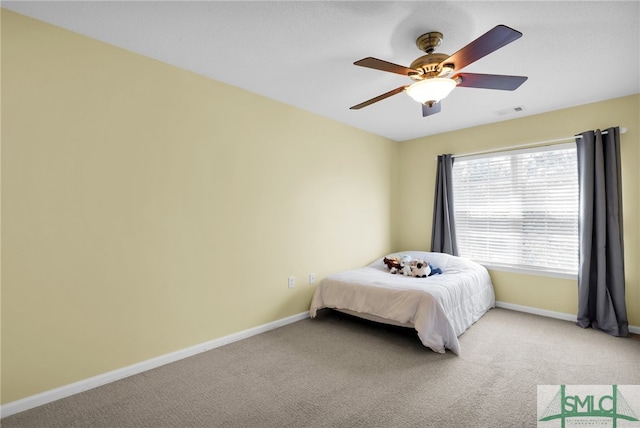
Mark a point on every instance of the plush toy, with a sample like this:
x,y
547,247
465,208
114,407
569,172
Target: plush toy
x,y
421,269
393,264
405,265
434,270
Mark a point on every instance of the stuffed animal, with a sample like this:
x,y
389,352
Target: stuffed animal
x,y
434,270
393,264
405,265
421,269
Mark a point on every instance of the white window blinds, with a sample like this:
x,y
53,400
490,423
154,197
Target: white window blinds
x,y
519,209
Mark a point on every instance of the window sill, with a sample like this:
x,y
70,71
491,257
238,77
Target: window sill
x,y
536,272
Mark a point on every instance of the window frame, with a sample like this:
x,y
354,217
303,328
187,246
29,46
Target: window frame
x,y
507,267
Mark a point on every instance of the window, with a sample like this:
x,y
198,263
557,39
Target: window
x,y
518,210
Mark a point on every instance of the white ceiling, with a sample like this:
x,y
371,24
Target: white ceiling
x,y
302,53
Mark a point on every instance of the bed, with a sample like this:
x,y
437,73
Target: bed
x,y
440,307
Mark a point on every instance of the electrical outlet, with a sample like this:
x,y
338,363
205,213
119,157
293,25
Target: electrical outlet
x,y
292,281
312,278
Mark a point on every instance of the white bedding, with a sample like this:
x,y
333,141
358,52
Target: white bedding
x,y
440,307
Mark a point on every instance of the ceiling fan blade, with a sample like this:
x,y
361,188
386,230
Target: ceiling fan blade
x,y
490,81
378,98
428,111
490,41
379,64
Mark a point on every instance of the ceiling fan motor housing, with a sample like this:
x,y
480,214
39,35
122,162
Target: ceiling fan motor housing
x,y
428,65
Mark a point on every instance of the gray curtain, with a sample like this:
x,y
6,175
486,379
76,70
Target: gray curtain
x,y
601,286
443,232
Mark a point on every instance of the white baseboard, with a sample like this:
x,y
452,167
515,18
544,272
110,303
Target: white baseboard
x,y
537,311
112,376
551,314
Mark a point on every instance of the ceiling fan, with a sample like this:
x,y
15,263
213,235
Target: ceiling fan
x,y
436,74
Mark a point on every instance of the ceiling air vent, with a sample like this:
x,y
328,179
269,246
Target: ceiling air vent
x,y
510,110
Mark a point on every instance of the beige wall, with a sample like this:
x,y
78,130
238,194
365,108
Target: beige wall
x,y
146,209
418,160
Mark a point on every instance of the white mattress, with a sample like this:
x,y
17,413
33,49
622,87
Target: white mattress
x,y
440,307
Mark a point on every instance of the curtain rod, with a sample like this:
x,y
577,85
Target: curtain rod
x,y
527,145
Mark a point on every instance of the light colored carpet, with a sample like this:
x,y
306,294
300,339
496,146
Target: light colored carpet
x,y
338,371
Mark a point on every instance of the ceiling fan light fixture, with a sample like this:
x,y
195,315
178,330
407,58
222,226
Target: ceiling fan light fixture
x,y
431,90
